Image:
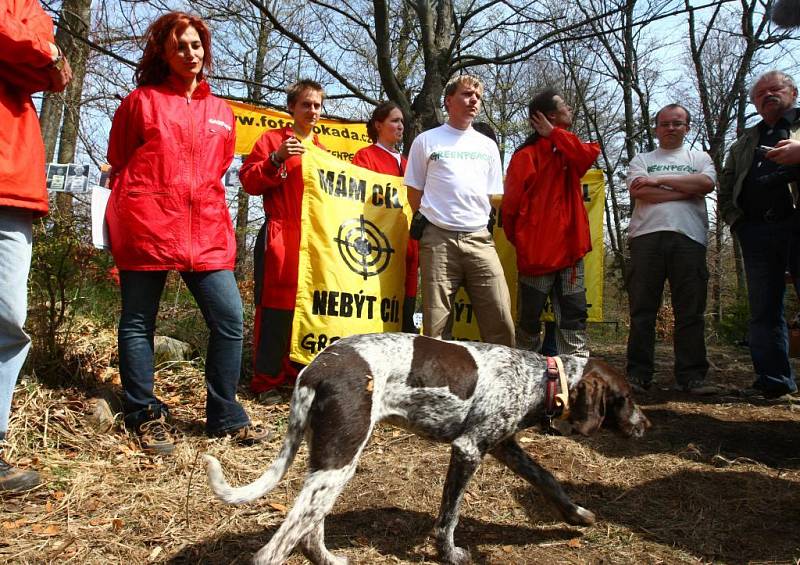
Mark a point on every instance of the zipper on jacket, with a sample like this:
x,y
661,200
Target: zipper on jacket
x,y
191,180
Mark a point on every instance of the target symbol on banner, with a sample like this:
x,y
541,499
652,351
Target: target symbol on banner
x,y
364,247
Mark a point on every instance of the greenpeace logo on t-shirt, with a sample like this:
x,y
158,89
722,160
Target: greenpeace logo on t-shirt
x,y
671,168
460,155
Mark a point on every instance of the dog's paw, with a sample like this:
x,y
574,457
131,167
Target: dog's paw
x,y
579,516
456,556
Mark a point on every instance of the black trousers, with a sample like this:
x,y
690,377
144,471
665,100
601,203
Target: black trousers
x,y
655,258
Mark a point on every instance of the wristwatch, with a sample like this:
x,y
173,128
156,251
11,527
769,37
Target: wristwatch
x,y
273,158
58,62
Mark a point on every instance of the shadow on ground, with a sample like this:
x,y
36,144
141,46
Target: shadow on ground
x,y
704,438
395,532
734,517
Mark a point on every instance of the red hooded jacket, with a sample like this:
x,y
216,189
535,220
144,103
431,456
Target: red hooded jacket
x,y
379,160
168,153
543,212
25,36
283,199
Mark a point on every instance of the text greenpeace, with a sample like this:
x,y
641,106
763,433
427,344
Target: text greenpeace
x,y
671,168
460,155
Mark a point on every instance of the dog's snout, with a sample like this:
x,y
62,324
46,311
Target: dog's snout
x,y
639,423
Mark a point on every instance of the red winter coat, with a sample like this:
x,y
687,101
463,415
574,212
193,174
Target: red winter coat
x,y
25,36
380,161
544,216
168,153
283,198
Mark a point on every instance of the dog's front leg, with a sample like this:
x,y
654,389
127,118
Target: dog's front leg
x,y
515,458
464,461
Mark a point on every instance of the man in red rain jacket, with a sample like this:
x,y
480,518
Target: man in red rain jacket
x,y
544,217
29,62
274,170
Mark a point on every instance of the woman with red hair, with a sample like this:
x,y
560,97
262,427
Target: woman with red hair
x,y
171,141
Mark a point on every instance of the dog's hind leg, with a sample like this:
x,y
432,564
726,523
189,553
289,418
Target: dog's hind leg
x,y
339,426
313,547
515,458
315,500
465,458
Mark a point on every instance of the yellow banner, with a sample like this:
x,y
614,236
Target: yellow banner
x,y
351,275
342,139
465,326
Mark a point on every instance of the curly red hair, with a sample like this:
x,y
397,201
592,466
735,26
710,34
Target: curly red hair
x,y
161,38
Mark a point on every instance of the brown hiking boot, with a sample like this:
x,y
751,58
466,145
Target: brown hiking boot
x,y
248,435
13,479
155,437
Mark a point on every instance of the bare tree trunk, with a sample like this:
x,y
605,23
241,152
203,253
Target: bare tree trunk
x,y
718,116
741,277
628,80
437,33
716,271
49,122
613,219
75,21
256,94
71,36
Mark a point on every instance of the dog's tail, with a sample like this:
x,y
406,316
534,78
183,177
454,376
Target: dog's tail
x,y
298,419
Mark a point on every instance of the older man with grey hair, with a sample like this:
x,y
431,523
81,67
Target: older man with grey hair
x,y
758,198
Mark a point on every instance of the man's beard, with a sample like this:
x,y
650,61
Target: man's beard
x,y
786,13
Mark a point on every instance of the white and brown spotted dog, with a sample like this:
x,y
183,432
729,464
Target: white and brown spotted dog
x,y
475,396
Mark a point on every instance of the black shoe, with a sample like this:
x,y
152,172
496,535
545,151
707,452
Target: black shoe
x,y
700,388
13,479
782,393
156,437
640,385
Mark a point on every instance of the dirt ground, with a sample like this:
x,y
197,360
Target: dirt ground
x,y
716,480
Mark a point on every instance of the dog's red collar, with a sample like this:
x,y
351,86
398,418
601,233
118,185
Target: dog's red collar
x,y
556,404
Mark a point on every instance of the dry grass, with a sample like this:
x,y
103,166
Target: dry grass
x,y
716,481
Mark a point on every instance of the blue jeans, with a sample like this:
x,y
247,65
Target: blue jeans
x,y
15,261
218,297
766,253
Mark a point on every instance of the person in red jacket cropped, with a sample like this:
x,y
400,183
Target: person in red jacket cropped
x,y
30,62
385,129
274,171
544,217
171,141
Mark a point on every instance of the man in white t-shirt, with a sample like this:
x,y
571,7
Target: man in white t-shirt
x,y
452,172
668,237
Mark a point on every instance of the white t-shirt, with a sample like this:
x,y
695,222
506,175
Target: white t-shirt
x,y
457,170
688,217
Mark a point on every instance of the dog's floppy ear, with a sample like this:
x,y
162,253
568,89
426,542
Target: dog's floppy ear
x,y
588,405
